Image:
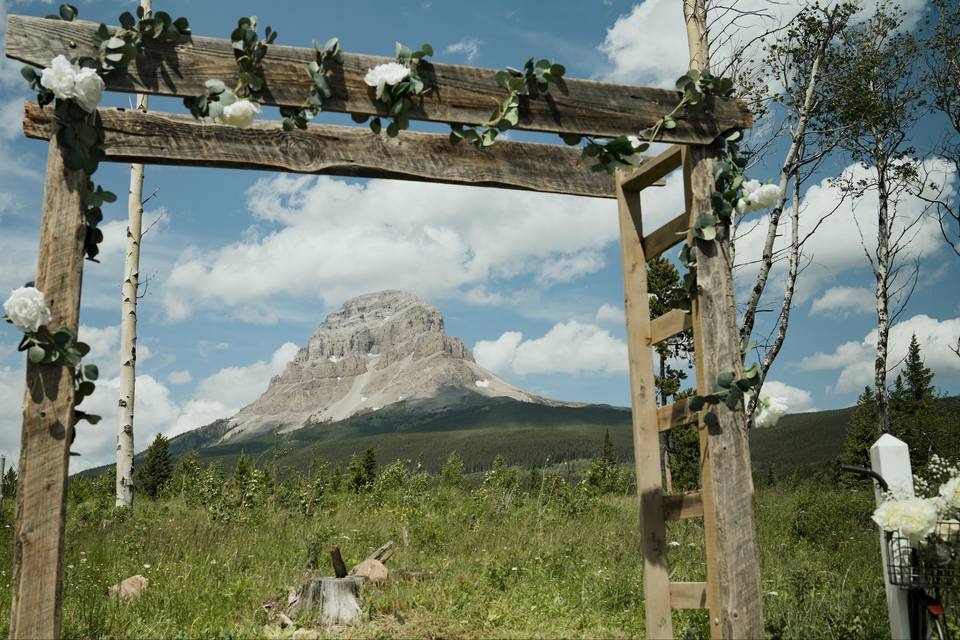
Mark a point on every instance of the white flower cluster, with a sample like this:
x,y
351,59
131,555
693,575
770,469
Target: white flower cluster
x,y
382,75
914,518
950,494
769,411
229,109
69,81
757,197
26,309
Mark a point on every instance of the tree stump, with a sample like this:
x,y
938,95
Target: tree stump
x,y
337,599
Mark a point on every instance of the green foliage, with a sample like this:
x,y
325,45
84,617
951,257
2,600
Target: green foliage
x,y
398,97
155,474
451,475
535,79
728,389
9,487
328,56
605,475
249,51
362,472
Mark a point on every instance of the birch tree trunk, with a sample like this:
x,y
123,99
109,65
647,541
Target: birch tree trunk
x,y
128,324
882,295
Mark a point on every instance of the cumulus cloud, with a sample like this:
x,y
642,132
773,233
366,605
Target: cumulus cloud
x,y
796,399
179,377
611,314
434,240
854,360
468,46
569,347
843,301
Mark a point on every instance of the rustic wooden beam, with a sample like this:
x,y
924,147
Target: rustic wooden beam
x,y
667,236
646,436
670,324
461,94
736,607
680,506
677,414
653,170
688,595
162,138
48,419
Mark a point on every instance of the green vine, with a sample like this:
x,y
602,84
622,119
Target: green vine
x,y
320,70
396,93
728,389
535,79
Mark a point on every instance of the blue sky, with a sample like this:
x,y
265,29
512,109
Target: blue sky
x,y
241,266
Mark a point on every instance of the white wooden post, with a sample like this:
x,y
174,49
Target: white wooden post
x,y
890,457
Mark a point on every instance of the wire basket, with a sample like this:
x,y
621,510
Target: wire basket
x,y
934,563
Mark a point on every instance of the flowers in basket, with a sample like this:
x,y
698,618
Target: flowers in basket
x,y
923,521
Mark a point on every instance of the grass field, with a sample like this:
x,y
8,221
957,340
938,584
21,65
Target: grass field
x,y
513,557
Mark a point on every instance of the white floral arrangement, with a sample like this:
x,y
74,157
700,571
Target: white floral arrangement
x,y
387,74
757,197
26,309
69,81
224,106
918,518
768,411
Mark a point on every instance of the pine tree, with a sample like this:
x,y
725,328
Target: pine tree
x,y
10,483
918,376
914,417
157,470
369,466
861,430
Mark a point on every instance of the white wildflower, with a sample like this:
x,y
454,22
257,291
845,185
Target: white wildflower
x,y
382,75
26,309
915,518
673,543
240,113
69,81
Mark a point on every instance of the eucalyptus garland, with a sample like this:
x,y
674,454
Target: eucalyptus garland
x,y
728,389
396,83
329,55
535,79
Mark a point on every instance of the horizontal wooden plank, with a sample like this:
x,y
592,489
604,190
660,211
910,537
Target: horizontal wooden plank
x,y
162,138
675,415
667,236
679,506
688,595
672,323
656,169
461,94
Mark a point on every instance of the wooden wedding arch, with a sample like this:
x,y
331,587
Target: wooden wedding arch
x,y
461,94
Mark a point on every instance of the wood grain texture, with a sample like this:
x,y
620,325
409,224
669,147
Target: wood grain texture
x,y
669,235
729,518
653,170
680,506
461,94
646,436
677,414
48,415
688,595
670,324
161,138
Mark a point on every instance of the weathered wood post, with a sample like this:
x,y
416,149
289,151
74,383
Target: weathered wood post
x,y
734,591
48,419
890,457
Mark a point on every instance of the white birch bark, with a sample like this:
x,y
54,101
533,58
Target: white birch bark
x,y
128,325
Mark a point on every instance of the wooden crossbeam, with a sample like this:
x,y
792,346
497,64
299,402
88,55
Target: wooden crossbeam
x,y
675,415
680,506
669,235
657,168
670,324
163,138
688,595
462,94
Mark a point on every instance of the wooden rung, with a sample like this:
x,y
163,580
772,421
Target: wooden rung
x,y
680,506
653,170
669,235
675,415
688,595
670,324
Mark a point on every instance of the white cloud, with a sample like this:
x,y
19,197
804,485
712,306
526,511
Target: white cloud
x,y
648,45
105,348
611,314
570,267
468,46
434,240
11,115
115,233
569,347
796,399
855,359
179,377
843,301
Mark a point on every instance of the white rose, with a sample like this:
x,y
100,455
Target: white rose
x,y
383,74
26,309
950,493
757,197
769,411
915,518
240,113
60,77
88,89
